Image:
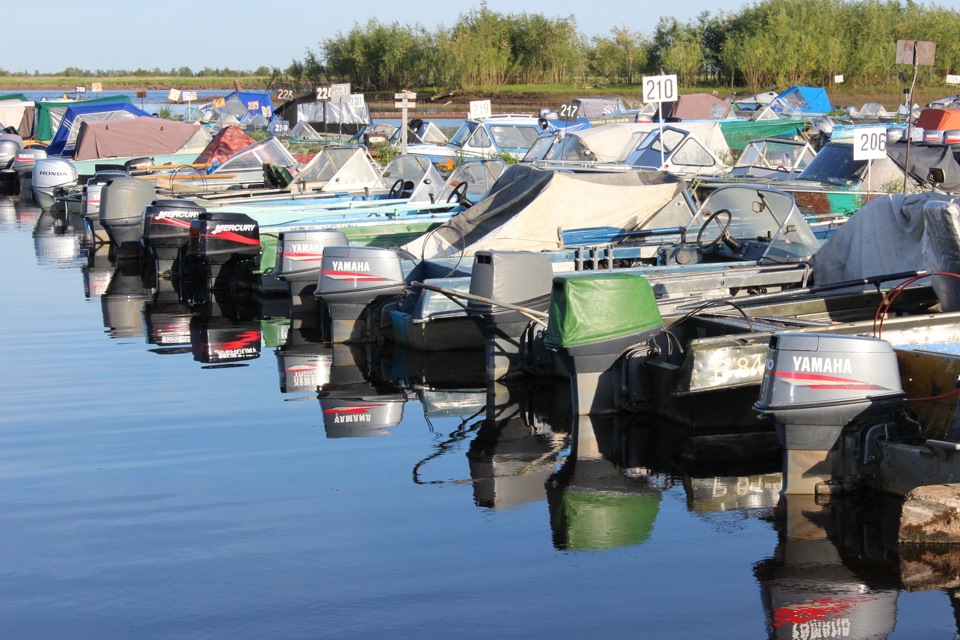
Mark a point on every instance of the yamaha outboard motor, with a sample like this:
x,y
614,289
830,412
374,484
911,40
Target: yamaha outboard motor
x,y
93,190
519,278
299,260
10,145
350,279
219,243
51,177
121,212
814,387
589,340
303,362
166,231
23,165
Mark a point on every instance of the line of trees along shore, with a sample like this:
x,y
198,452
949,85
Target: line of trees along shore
x,y
770,43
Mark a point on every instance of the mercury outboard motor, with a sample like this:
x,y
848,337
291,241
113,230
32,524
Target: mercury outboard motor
x,y
121,212
299,260
814,387
166,231
520,278
23,165
51,177
350,279
219,242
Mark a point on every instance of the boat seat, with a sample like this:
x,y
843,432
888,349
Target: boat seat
x,y
284,177
270,177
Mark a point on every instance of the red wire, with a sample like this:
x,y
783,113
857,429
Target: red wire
x,y
890,297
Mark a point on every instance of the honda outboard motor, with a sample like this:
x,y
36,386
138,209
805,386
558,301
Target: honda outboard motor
x,y
816,385
166,231
121,212
23,165
220,242
299,260
51,177
350,279
589,339
520,278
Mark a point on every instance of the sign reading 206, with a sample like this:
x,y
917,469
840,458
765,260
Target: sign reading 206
x,y
660,88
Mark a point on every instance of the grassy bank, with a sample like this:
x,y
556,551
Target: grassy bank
x,y
127,83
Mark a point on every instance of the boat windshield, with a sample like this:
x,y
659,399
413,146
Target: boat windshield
x,y
766,219
463,134
835,165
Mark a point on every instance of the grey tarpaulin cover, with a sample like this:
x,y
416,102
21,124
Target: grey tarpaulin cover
x,y
896,233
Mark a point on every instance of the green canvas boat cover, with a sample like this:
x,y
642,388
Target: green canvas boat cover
x,y
18,97
597,307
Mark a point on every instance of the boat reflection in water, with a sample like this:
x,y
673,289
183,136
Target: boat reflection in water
x,y
838,569
123,301
54,241
97,271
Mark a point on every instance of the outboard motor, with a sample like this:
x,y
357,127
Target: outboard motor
x,y
10,144
94,190
121,212
218,243
299,260
814,387
589,340
51,177
166,231
519,278
350,279
23,165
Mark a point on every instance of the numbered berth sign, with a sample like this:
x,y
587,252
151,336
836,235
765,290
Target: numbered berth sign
x,y
568,112
480,109
660,88
869,143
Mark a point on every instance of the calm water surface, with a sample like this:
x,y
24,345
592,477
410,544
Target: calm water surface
x,y
168,472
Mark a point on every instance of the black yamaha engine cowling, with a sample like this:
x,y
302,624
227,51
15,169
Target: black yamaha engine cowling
x,y
816,385
166,231
350,279
121,211
520,278
23,166
299,260
219,240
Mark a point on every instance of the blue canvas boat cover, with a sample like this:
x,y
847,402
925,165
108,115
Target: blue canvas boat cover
x,y
807,100
242,103
65,139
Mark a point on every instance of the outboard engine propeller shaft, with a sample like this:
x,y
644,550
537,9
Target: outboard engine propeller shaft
x,y
815,386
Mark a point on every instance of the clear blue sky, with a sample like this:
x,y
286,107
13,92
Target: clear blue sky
x,y
243,34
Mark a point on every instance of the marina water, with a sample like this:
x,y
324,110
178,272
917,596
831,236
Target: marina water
x,y
153,488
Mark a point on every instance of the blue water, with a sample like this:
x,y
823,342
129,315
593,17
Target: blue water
x,y
152,488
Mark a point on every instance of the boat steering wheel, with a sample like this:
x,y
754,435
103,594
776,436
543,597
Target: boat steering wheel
x,y
396,190
722,237
459,194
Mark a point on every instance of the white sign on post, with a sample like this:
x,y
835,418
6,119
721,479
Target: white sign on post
x,y
174,95
869,143
660,88
81,89
340,92
96,87
404,100
188,96
953,79
356,100
838,79
265,111
480,109
253,105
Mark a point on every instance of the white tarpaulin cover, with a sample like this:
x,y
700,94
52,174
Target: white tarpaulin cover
x,y
897,233
528,207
